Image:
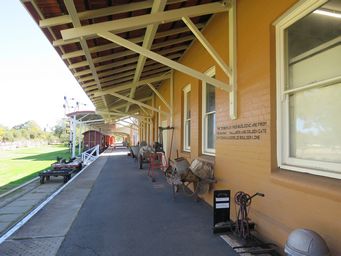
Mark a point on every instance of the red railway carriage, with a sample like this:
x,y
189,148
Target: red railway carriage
x,y
92,138
109,140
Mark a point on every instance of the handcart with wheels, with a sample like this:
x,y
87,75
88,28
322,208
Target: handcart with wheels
x,y
46,175
61,168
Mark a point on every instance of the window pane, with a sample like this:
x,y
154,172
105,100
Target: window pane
x,y
210,98
188,107
211,131
315,124
314,50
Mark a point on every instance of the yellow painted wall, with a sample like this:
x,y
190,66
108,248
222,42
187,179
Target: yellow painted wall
x,y
292,200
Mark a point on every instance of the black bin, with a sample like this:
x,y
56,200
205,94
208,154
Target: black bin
x,y
221,211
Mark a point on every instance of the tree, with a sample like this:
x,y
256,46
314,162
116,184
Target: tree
x,y
28,130
8,136
3,130
60,131
59,128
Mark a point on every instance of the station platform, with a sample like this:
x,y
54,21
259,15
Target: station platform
x,y
113,208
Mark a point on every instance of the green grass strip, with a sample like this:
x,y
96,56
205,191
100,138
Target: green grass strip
x,y
20,165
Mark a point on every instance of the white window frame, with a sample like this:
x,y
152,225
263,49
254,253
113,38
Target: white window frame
x,y
297,12
207,151
186,147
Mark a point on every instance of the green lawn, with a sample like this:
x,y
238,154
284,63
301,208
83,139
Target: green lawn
x,y
20,165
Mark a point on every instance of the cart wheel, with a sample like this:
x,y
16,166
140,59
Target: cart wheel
x,y
41,179
140,162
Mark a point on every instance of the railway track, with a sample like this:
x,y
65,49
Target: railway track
x,y
18,203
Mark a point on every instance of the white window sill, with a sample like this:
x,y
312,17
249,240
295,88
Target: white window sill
x,y
306,170
208,153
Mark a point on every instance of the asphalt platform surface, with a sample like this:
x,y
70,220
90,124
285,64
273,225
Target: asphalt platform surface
x,y
126,214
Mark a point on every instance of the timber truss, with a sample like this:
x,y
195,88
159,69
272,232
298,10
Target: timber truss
x,y
121,51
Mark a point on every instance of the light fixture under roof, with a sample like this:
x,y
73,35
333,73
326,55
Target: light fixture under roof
x,y
329,13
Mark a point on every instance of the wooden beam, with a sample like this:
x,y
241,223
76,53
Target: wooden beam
x,y
108,11
61,42
101,59
107,66
170,63
117,107
111,46
141,21
118,82
123,121
122,54
69,4
158,6
126,86
160,96
121,63
124,76
143,110
126,126
137,102
101,112
121,72
148,70
64,19
206,44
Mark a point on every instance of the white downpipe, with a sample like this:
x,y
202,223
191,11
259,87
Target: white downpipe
x,y
232,16
172,97
79,138
74,137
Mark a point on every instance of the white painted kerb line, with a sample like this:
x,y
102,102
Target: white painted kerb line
x,y
37,209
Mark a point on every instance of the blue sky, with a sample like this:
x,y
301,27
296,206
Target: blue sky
x,y
34,80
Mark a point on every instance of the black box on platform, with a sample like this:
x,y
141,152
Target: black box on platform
x,y
221,211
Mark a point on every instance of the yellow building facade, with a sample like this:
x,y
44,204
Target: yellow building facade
x,y
245,157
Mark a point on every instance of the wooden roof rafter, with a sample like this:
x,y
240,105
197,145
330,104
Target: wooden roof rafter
x,y
110,46
101,66
92,14
76,23
158,6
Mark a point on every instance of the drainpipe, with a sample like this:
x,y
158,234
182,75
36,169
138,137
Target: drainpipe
x,y
233,58
79,139
172,97
74,137
153,119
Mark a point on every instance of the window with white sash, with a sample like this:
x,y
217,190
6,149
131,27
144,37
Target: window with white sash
x,y
308,52
187,118
208,115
